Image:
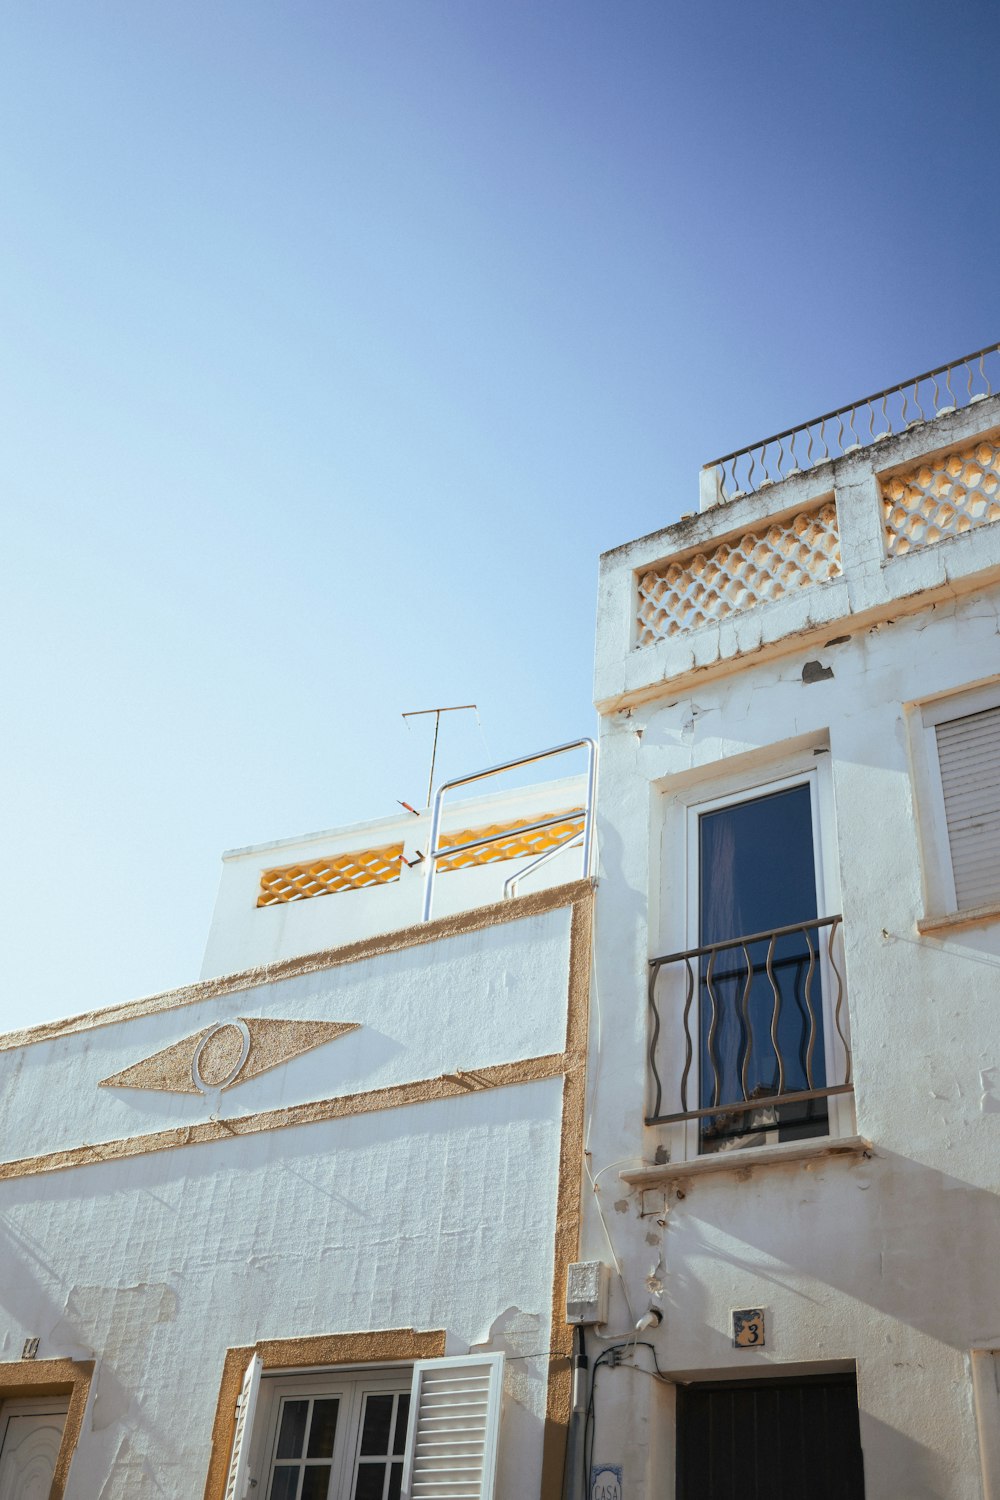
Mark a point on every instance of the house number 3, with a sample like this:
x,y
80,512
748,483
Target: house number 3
x,y
748,1328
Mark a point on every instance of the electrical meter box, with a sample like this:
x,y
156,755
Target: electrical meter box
x,y
587,1292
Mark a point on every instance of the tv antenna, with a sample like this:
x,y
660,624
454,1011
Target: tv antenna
x,y
417,713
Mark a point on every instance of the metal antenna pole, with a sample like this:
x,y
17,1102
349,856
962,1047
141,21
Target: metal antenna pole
x,y
434,751
417,713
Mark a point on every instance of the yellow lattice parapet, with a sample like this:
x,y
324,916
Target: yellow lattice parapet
x,y
942,497
513,845
759,566
344,872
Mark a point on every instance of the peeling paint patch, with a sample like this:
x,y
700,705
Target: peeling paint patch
x,y
514,1331
814,671
520,1335
115,1324
621,1205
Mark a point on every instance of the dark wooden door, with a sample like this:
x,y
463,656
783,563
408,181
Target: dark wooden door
x,y
770,1440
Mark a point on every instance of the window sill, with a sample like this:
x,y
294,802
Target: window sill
x,y
970,918
743,1161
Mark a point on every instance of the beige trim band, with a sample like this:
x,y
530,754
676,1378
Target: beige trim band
x,y
447,1086
26,1378
567,1240
329,958
383,1347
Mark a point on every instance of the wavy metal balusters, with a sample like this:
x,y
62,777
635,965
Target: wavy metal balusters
x,y
708,981
739,469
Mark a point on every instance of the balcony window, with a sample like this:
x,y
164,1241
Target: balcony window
x,y
748,1022
757,874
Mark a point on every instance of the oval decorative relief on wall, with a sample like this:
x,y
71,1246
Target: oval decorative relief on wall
x,y
226,1053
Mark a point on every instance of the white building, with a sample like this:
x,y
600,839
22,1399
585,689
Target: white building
x,y
799,692
300,1229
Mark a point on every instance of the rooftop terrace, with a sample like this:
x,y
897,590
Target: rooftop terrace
x,y
883,505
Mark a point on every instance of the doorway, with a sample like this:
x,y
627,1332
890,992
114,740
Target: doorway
x,y
30,1435
770,1440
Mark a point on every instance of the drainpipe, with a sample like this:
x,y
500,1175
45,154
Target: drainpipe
x,y
575,1484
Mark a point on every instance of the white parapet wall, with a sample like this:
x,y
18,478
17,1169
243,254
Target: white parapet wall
x,y
346,1162
245,933
869,1249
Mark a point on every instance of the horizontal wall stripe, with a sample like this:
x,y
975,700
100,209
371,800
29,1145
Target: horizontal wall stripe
x,y
447,1086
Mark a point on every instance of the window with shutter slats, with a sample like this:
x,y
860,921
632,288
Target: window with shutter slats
x,y
969,757
236,1483
451,1448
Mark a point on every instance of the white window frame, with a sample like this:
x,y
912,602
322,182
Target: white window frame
x,y
923,718
254,1449
677,928
350,1385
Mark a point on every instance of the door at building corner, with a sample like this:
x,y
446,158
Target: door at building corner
x,y
30,1435
770,1440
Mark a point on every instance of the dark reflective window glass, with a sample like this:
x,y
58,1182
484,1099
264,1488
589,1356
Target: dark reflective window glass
x,y
395,1482
293,1429
402,1413
370,1482
760,1003
284,1484
316,1482
757,866
322,1429
377,1424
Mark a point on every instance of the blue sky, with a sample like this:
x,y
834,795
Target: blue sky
x,y
341,338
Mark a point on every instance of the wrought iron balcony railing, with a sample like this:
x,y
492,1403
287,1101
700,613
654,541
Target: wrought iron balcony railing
x,y
754,1040
858,425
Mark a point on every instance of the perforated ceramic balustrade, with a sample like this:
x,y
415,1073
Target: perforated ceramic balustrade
x,y
368,867
762,565
512,844
324,877
942,497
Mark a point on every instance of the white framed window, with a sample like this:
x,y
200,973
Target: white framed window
x,y
956,757
366,1433
751,1000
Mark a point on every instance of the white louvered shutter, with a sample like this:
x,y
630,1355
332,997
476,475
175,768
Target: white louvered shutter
x,y
454,1427
237,1482
969,756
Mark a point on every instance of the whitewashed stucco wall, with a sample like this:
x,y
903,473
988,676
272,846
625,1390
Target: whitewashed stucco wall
x,y
466,1003
884,1262
438,1215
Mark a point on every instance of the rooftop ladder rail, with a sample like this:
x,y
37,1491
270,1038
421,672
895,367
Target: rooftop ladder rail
x,y
437,851
512,882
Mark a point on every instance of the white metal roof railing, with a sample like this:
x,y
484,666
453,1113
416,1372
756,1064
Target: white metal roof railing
x,y
437,851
